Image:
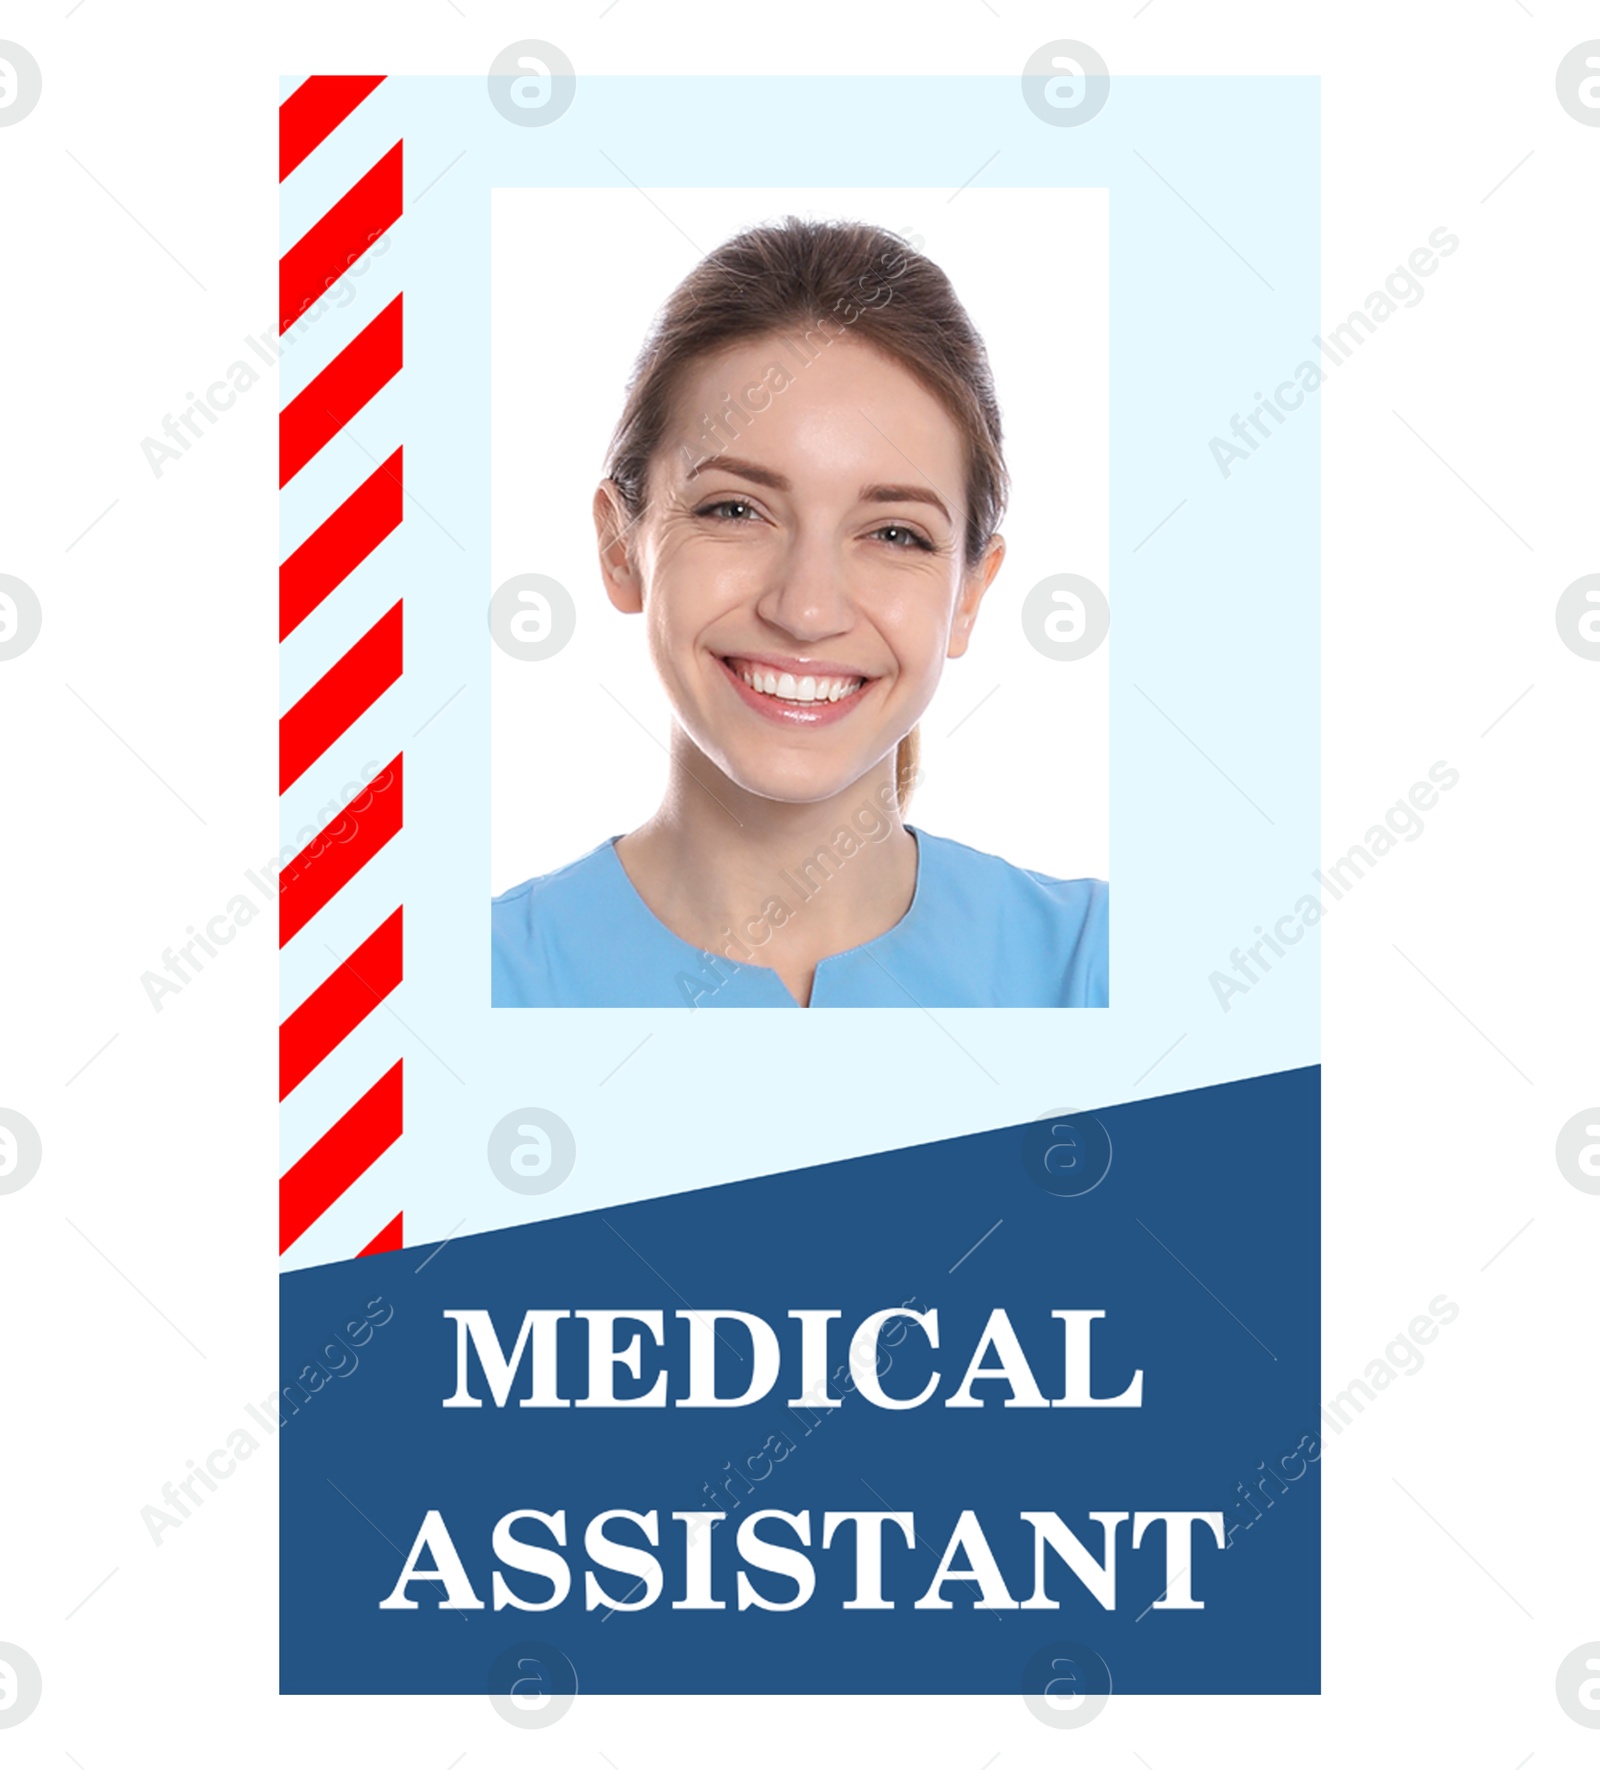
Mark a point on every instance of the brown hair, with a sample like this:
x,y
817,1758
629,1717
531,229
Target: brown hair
x,y
815,274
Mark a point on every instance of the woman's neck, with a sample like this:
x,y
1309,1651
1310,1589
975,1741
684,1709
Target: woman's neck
x,y
763,882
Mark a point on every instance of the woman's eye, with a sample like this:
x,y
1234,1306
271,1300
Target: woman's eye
x,y
734,509
898,535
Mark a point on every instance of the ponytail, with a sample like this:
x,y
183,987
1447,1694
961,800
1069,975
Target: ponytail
x,y
907,758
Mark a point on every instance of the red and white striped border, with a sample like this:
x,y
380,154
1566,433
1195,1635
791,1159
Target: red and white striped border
x,y
350,684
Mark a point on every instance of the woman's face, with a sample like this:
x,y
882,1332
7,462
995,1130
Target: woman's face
x,y
800,561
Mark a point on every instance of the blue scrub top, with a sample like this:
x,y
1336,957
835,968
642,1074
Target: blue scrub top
x,y
980,933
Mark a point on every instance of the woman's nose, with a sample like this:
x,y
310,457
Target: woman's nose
x,y
808,596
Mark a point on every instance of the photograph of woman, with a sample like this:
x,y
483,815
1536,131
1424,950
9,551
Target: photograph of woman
x,y
802,499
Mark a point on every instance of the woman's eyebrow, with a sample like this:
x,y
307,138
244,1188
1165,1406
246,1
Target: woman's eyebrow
x,y
764,476
904,495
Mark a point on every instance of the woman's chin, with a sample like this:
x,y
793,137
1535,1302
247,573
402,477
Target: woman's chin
x,y
807,784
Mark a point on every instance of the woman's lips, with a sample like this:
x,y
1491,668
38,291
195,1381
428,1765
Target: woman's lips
x,y
840,696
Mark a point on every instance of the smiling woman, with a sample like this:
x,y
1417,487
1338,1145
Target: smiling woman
x,y
806,553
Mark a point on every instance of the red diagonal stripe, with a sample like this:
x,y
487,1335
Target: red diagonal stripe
x,y
367,363
339,1004
322,562
390,1237
331,706
317,260
339,1158
311,113
331,859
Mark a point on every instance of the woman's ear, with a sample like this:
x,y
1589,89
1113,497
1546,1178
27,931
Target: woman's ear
x,y
611,526
973,585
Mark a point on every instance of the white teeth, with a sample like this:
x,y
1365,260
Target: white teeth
x,y
799,688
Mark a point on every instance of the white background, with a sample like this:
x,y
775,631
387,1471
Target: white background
x,y
579,742
1461,1564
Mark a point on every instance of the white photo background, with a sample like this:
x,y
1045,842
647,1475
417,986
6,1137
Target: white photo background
x,y
1015,745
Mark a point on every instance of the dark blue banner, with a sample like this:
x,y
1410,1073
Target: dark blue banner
x,y
1090,1419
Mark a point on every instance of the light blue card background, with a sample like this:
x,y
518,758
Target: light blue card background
x,y
1215,642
